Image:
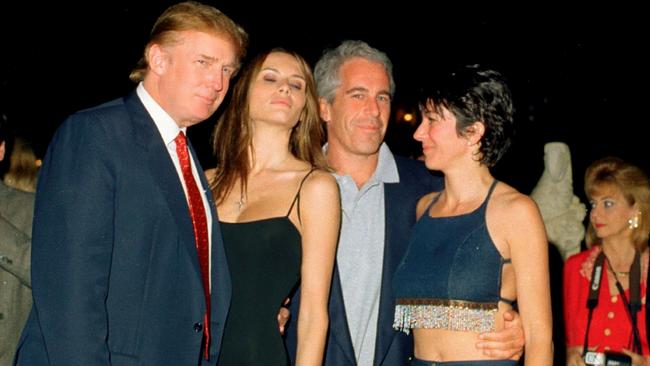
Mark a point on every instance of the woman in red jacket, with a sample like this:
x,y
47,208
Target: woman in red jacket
x,y
605,286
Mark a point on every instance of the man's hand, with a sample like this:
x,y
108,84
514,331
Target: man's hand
x,y
507,343
283,316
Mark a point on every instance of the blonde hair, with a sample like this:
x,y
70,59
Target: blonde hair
x,y
23,167
185,16
633,184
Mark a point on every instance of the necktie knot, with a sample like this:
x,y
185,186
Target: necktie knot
x,y
181,141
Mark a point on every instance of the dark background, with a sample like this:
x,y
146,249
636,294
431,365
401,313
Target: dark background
x,y
578,72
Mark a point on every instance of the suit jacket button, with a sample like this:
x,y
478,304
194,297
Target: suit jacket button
x,y
198,327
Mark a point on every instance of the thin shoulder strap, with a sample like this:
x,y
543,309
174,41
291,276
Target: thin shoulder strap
x,y
433,201
297,197
492,186
483,206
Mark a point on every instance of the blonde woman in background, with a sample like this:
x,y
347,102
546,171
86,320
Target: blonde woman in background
x,y
619,195
23,166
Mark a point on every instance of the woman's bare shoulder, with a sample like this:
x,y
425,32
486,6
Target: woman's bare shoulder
x,y
513,210
507,199
320,182
210,174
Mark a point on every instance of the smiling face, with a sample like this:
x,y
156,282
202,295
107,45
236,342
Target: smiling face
x,y
358,115
278,92
191,76
610,212
441,143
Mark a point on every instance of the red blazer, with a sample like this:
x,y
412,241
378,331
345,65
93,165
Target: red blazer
x,y
610,325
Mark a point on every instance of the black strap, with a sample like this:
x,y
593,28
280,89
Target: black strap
x,y
635,284
492,186
634,305
592,300
296,198
487,198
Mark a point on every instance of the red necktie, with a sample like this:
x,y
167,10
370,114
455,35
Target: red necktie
x,y
199,221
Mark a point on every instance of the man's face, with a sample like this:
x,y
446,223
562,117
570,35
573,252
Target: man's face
x,y
194,75
358,116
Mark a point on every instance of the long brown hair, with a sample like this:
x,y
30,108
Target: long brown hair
x,y
232,137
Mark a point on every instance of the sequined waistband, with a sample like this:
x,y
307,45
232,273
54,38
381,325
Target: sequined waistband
x,y
456,315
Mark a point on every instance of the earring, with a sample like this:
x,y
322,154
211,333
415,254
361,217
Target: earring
x,y
633,223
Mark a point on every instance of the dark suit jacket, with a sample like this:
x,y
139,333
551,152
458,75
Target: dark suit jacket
x,y
115,271
392,347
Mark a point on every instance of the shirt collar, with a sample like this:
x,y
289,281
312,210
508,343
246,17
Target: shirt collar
x,y
386,171
164,122
386,166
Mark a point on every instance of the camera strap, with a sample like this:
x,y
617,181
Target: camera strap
x,y
634,305
592,300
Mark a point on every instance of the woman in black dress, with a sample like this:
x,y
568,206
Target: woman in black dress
x,y
279,210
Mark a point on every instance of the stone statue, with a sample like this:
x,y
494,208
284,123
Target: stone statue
x,y
562,211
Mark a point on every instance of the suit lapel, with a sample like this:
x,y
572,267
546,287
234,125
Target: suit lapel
x,y
163,173
385,334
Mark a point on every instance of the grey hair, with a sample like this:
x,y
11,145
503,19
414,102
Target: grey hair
x,y
327,69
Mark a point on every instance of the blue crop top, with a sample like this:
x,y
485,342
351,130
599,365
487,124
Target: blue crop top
x,y
450,276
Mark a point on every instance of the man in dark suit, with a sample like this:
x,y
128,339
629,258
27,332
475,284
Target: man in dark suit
x,y
128,267
16,212
379,192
